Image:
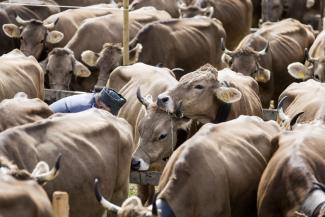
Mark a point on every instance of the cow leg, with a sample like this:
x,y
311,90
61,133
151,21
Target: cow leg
x,y
146,193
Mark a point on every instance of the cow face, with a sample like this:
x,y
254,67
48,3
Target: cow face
x,y
247,62
34,35
192,11
108,59
272,10
198,95
60,66
158,135
315,70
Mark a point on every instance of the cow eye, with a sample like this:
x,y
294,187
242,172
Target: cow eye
x,y
199,87
162,136
21,38
42,41
230,62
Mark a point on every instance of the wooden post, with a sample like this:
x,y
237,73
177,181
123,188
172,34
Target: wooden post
x,y
60,203
126,32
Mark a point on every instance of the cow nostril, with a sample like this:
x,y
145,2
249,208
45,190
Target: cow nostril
x,y
135,164
165,99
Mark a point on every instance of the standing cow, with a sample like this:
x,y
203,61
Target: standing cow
x,y
21,110
8,14
37,37
307,97
215,173
293,181
182,43
21,192
208,95
170,6
306,11
155,132
265,55
235,15
94,143
19,73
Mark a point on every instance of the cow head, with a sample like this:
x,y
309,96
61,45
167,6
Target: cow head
x,y
273,10
193,10
247,62
198,95
132,207
285,121
158,135
108,59
41,173
34,35
60,66
314,69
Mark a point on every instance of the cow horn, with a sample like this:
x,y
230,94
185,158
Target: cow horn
x,y
263,52
21,21
105,203
283,117
294,119
49,176
225,50
52,24
142,99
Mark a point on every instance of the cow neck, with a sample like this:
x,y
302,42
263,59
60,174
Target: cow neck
x,y
314,201
222,113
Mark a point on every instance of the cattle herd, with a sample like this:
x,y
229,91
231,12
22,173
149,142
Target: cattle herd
x,y
196,86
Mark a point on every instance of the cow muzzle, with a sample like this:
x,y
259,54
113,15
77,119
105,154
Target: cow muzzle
x,y
139,164
165,103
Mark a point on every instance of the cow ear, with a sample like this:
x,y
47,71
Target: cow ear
x,y
54,37
89,57
299,71
41,168
228,94
134,53
80,70
310,3
263,75
11,30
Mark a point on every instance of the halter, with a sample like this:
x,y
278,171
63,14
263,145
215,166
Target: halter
x,y
315,193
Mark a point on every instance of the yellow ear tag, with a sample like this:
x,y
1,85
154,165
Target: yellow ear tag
x,y
301,75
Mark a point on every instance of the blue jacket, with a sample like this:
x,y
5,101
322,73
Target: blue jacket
x,y
75,103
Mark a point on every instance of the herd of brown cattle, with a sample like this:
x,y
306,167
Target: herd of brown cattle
x,y
195,90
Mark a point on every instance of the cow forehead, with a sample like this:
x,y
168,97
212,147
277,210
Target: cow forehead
x,y
197,76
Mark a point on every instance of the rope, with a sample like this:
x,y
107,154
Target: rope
x,y
60,6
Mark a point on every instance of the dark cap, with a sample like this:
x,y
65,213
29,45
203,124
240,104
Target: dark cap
x,y
112,99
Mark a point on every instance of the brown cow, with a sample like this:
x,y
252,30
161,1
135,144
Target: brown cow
x,y
155,132
8,14
21,110
19,73
37,37
170,6
94,143
215,173
21,193
207,95
315,62
307,11
235,15
307,97
292,181
182,43
266,54
105,29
